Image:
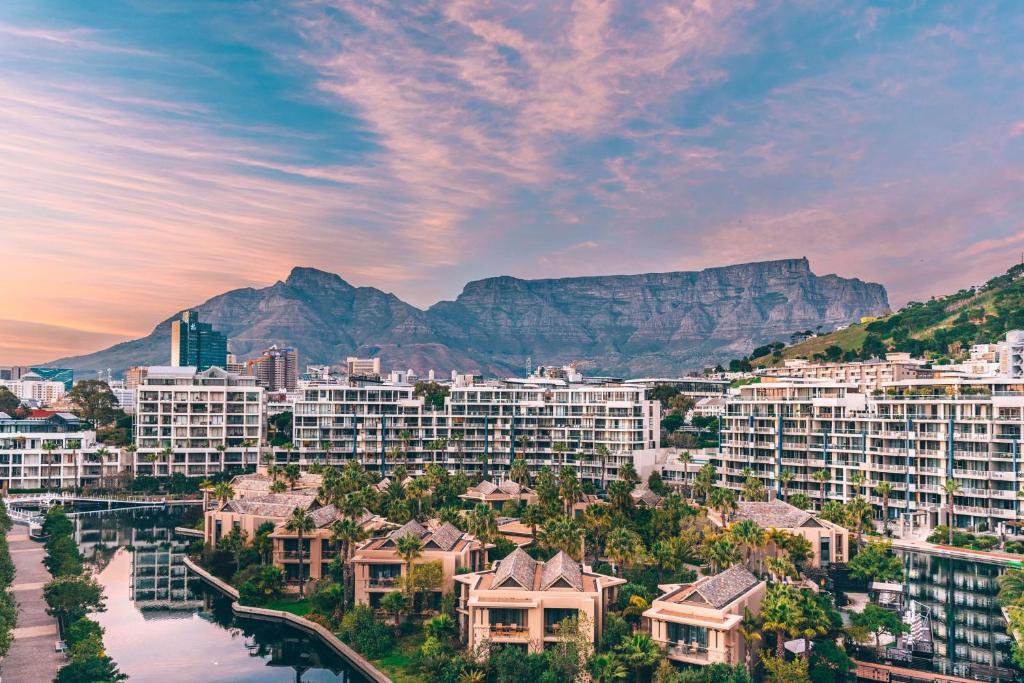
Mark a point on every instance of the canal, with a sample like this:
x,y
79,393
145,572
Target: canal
x,y
164,623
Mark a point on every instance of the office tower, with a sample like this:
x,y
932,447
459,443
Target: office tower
x,y
197,344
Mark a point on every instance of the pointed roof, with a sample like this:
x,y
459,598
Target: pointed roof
x,y
486,487
517,566
723,588
564,568
446,536
776,514
642,494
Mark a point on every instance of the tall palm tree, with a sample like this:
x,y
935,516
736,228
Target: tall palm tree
x,y
639,652
750,538
625,548
562,533
811,620
951,487
560,449
857,479
524,443
686,459
722,500
704,482
719,551
883,489
300,523
785,478
858,512
822,477
618,495
49,447
569,488
482,522
347,533
405,438
223,492
409,548
834,512
1011,586
519,472
750,632
459,439
779,613
532,516
418,489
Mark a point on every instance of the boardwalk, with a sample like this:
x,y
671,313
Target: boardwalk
x,y
32,658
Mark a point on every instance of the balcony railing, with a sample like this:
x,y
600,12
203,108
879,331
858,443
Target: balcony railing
x,y
383,581
509,631
691,650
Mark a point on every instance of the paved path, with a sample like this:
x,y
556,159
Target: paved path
x,y
991,556
32,658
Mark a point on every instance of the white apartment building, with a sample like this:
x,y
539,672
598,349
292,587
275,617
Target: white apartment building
x,y
55,451
32,387
482,427
197,423
913,434
869,375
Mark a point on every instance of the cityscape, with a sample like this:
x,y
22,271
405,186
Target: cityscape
x,y
590,341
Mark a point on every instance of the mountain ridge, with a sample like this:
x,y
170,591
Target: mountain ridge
x,y
657,323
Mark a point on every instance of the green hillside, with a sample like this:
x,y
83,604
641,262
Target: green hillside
x,y
940,329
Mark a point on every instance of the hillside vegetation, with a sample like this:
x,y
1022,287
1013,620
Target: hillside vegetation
x,y
941,329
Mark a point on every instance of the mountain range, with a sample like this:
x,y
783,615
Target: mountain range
x,y
630,325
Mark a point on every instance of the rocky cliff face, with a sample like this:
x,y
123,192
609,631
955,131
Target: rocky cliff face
x,y
658,323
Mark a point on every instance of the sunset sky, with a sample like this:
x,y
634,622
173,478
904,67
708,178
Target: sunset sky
x,y
155,153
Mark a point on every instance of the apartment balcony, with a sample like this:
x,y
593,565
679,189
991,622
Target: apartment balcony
x,y
381,582
509,631
689,652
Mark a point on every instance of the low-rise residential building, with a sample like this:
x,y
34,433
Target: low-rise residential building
x,y
699,623
830,543
318,549
197,422
711,406
523,602
496,495
644,497
249,513
868,375
379,567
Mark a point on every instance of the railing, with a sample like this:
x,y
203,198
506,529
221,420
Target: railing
x,y
509,631
691,650
383,582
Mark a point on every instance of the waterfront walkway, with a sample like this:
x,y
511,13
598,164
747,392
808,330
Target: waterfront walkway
x,y
32,658
990,556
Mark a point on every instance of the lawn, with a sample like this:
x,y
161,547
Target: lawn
x,y
297,607
396,664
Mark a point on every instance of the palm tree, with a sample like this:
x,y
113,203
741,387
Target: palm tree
x,y
405,437
625,548
472,676
602,454
822,477
278,487
418,489
1011,586
780,568
532,516
719,551
704,482
49,447
300,522
628,474
569,488
519,472
785,477
779,613
834,512
811,621
722,500
347,533
524,443
560,449
858,511
561,533
604,669
750,632
618,496
883,489
639,652
482,522
459,439
223,492
857,479
749,536
951,487
753,489
292,473
686,459
410,547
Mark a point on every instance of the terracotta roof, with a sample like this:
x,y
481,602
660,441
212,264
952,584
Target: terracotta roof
x,y
411,527
325,516
776,514
446,536
269,505
561,566
723,588
642,494
485,487
518,566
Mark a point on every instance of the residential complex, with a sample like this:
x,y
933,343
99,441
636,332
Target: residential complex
x,y
197,344
34,388
868,375
53,450
197,422
482,427
830,543
276,369
913,434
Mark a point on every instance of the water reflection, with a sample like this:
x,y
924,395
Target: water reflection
x,y
165,624
968,629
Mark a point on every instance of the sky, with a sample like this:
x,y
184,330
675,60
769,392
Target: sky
x,y
156,153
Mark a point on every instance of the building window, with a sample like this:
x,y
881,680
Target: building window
x,y
555,616
687,634
508,617
826,551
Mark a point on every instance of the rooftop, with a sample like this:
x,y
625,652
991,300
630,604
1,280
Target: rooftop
x,y
775,514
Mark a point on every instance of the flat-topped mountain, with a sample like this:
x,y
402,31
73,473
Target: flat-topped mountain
x,y
651,324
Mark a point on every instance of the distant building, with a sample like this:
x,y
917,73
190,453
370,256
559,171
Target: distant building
x,y
64,375
362,367
711,406
277,369
197,344
125,396
33,387
133,376
869,375
1011,355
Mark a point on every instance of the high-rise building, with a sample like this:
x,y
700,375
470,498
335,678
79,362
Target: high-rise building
x,y
197,344
277,369
133,376
65,375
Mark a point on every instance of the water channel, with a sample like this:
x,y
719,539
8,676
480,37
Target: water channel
x,y
164,623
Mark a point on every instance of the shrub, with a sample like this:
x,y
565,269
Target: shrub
x,y
366,634
259,585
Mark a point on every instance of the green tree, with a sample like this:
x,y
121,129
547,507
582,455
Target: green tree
x,y
884,489
70,598
779,670
92,400
606,668
876,562
877,621
396,604
409,548
950,487
779,613
639,653
625,547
